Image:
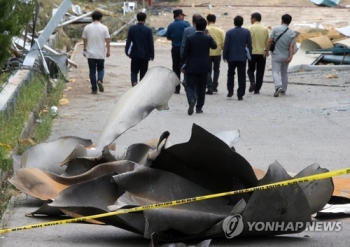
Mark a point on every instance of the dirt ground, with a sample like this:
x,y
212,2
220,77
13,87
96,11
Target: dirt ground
x,y
271,16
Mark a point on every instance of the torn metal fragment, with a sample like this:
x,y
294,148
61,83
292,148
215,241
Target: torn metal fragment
x,y
281,204
48,156
46,185
207,161
317,192
153,92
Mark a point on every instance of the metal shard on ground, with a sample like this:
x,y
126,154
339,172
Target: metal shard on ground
x,y
207,161
154,172
152,92
319,192
47,185
281,204
48,156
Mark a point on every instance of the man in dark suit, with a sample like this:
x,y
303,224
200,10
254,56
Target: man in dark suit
x,y
237,42
188,31
139,47
195,63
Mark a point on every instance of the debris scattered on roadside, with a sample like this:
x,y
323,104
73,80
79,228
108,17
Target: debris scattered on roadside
x,y
63,101
28,141
331,76
54,111
327,3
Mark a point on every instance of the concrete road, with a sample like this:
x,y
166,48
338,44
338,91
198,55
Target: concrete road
x,y
309,124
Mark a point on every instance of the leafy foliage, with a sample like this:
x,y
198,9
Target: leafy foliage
x,y
14,16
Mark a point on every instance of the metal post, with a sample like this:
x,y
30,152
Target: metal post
x,y
45,35
121,29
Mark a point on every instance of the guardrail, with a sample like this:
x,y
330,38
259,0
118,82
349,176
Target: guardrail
x,y
10,93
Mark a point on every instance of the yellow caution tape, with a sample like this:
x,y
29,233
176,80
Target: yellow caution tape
x,y
8,147
184,201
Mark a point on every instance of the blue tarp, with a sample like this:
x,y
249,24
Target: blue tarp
x,y
161,32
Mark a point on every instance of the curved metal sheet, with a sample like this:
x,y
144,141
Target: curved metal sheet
x,y
46,185
281,204
77,166
138,153
153,92
78,152
48,156
45,209
317,192
206,161
95,196
145,186
301,58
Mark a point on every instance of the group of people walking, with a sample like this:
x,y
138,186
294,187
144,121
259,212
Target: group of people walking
x,y
203,44
197,51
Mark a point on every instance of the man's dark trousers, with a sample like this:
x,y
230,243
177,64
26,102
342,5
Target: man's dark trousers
x,y
258,62
176,57
196,82
215,66
138,65
99,65
241,68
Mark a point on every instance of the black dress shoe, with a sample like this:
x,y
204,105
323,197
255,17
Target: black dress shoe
x,y
215,90
191,107
199,111
256,92
252,87
177,92
229,95
209,92
240,98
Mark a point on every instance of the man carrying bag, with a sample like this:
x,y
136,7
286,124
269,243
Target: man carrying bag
x,y
282,53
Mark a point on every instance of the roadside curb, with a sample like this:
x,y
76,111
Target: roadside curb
x,y
7,213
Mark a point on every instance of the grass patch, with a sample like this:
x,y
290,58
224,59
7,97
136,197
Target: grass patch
x,y
3,79
11,128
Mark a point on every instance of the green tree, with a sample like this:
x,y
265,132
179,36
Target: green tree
x,y
14,16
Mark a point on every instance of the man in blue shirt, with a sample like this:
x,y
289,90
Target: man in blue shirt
x,y
174,33
237,43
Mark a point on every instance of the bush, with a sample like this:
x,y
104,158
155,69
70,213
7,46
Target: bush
x,y
14,16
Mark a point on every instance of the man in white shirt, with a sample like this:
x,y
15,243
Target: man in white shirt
x,y
96,40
